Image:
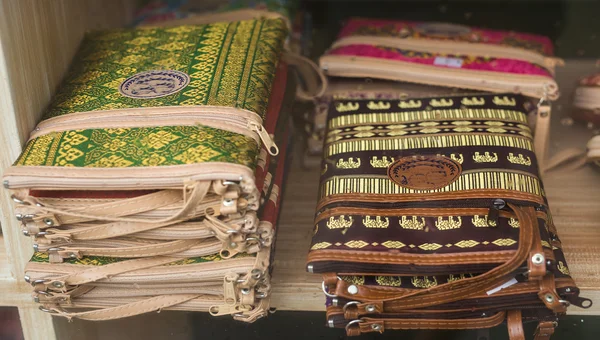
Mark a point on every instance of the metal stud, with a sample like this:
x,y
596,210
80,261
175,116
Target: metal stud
x,y
232,244
352,289
58,284
370,308
48,221
36,247
537,259
228,202
376,327
549,298
245,291
25,232
256,274
309,268
5,183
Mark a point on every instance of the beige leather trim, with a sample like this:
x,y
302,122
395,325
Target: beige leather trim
x,y
134,178
225,118
453,47
370,67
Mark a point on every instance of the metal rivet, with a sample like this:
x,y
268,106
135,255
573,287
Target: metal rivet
x,y
352,289
376,327
256,274
245,291
27,278
309,268
537,259
548,263
370,308
228,202
26,232
48,221
5,183
330,323
568,290
36,299
549,298
19,217
335,302
232,245
72,255
58,284
36,247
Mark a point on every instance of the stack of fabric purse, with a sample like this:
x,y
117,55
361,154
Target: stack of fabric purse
x,y
448,55
146,186
432,215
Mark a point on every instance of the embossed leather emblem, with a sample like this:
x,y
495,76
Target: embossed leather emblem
x,y
424,172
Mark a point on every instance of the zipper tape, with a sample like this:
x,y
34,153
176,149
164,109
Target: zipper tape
x,y
454,48
370,67
226,118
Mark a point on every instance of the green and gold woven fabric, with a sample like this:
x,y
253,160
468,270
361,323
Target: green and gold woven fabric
x,y
40,257
154,146
223,64
229,64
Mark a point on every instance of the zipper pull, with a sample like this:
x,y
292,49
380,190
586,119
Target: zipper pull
x,y
265,138
494,213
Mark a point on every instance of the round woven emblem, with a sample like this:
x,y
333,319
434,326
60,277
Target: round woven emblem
x,y
154,84
424,172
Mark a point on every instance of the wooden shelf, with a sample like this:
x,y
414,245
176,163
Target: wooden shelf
x,y
573,195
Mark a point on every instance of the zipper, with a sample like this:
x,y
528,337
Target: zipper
x,y
133,178
201,272
230,119
494,205
370,67
454,48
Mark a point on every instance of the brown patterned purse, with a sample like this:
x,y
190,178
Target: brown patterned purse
x,y
432,215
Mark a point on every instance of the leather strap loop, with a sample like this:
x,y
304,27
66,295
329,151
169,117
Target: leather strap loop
x,y
514,322
544,330
537,261
549,296
306,68
461,289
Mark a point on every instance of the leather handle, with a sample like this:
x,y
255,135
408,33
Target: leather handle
x,y
135,308
369,325
514,321
461,289
306,69
102,272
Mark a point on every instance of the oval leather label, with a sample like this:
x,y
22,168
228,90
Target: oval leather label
x,y
154,84
424,172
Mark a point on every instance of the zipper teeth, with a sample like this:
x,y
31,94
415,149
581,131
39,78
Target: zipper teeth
x,y
534,86
119,181
443,47
233,124
476,203
215,274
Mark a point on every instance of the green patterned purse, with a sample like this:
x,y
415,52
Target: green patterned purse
x,y
152,127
